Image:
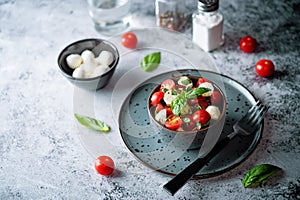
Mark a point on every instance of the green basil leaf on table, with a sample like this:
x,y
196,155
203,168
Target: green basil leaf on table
x,y
92,123
150,62
258,174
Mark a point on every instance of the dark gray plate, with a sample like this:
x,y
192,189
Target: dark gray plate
x,y
148,145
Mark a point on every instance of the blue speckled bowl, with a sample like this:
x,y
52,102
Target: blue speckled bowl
x,y
188,139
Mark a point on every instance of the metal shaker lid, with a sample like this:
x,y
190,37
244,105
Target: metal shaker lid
x,y
208,5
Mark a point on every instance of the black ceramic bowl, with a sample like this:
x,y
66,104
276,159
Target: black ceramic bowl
x,y
96,46
188,139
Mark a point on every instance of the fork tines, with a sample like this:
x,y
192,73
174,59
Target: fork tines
x,y
256,113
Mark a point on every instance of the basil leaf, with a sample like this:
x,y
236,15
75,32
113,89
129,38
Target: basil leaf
x,y
92,123
150,62
258,174
177,104
196,92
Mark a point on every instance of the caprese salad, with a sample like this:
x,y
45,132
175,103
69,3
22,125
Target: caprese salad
x,y
186,103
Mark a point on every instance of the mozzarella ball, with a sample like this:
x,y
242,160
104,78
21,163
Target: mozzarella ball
x,y
78,73
185,81
214,112
89,67
88,56
99,71
105,58
169,97
74,60
161,116
209,86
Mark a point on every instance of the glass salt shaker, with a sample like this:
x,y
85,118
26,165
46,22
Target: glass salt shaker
x,y
208,25
170,14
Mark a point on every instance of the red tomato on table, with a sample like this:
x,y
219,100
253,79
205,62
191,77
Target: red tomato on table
x,y
248,44
264,68
104,165
129,40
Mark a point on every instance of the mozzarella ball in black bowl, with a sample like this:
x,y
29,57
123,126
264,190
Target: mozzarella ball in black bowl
x,y
90,63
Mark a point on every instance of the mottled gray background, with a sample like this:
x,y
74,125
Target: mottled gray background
x,y
41,156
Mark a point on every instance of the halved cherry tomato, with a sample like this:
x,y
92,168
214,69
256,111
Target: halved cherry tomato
x,y
201,116
173,122
216,98
188,123
158,108
129,40
156,97
168,84
248,44
201,80
169,110
264,68
203,102
104,165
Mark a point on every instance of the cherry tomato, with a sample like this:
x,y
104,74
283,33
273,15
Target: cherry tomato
x,y
216,98
203,102
158,108
264,68
188,123
168,84
201,80
156,97
104,165
129,40
169,110
201,116
173,122
248,44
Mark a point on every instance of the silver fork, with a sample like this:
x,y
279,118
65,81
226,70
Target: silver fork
x,y
247,125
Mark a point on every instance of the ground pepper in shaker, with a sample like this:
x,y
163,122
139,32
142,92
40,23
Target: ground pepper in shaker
x,y
170,14
208,25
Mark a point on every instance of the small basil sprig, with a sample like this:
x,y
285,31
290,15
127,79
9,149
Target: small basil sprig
x,y
196,92
181,100
150,62
258,174
92,123
178,103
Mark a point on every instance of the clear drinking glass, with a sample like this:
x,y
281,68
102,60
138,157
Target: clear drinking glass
x,y
110,16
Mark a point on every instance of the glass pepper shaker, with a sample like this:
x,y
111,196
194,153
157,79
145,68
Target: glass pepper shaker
x,y
208,25
170,14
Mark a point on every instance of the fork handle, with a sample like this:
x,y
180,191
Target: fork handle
x,y
180,179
